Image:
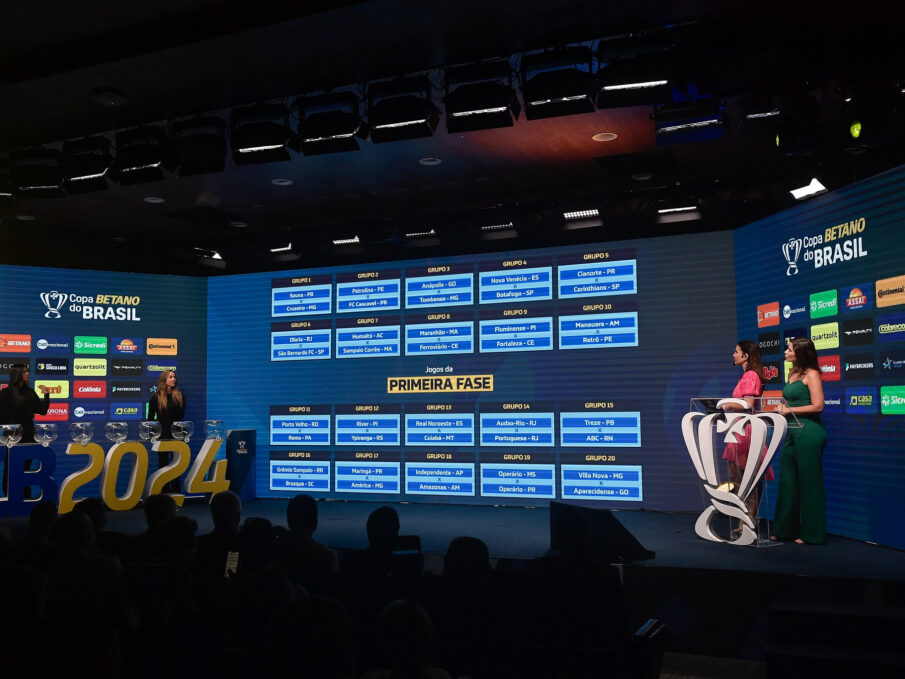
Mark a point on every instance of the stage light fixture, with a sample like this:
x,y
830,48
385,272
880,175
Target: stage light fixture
x,y
200,145
636,81
139,156
282,248
422,238
582,219
329,123
37,173
351,240
480,96
499,231
86,163
558,82
401,109
686,123
678,209
260,134
812,189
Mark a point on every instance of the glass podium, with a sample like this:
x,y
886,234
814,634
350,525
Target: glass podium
x,y
732,442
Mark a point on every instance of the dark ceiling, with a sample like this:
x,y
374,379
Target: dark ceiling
x,y
171,60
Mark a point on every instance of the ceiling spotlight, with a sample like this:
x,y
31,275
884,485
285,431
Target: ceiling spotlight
x,y
154,200
422,238
25,218
401,109
678,209
329,123
207,253
429,161
688,123
209,257
582,219
498,231
811,189
260,134
558,82
605,136
581,214
481,96
635,81
281,182
200,145
282,248
238,224
139,155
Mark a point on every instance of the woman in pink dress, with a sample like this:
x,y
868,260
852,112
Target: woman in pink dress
x,y
749,387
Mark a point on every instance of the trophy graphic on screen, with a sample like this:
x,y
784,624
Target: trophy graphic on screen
x,y
54,301
791,251
700,431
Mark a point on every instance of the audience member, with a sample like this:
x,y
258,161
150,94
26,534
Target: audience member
x,y
305,560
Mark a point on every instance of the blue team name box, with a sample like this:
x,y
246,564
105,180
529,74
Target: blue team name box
x,y
601,482
440,332
520,424
516,280
368,336
301,295
301,340
365,291
600,428
439,285
439,478
439,424
528,328
368,472
598,273
299,471
295,425
369,424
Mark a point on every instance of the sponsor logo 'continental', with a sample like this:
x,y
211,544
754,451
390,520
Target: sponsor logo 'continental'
x,y
57,412
892,400
768,314
56,388
84,344
89,367
451,383
891,291
825,336
15,344
161,346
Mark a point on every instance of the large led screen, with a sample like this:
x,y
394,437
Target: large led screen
x,y
833,269
507,378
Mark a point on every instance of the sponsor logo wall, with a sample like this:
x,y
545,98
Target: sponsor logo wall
x,y
843,259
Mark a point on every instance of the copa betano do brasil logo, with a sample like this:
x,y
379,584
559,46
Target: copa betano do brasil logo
x,y
838,243
103,306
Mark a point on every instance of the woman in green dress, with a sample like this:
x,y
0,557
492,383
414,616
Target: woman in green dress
x,y
801,501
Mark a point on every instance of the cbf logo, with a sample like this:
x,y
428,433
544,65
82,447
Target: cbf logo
x,y
698,431
54,301
791,251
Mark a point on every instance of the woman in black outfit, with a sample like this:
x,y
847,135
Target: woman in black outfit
x,y
167,406
18,405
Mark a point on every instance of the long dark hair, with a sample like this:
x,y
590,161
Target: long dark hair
x,y
162,390
15,374
755,362
805,356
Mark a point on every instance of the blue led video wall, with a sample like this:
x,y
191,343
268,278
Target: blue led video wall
x,y
97,342
517,377
833,269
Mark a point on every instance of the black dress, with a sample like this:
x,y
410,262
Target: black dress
x,y
19,405
174,412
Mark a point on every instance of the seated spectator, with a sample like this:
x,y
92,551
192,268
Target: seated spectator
x,y
39,549
158,510
305,560
108,542
404,640
214,547
376,559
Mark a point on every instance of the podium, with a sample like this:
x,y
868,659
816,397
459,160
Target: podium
x,y
743,427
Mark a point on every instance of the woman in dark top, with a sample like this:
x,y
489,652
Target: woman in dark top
x,y
18,405
167,406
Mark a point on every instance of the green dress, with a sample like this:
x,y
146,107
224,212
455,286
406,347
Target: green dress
x,y
801,501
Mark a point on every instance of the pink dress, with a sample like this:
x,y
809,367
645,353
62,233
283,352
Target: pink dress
x,y
748,386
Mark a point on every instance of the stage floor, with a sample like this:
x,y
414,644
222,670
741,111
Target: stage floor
x,y
524,533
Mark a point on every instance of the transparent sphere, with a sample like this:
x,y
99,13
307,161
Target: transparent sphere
x,y
116,431
10,434
213,429
46,433
149,430
183,430
81,432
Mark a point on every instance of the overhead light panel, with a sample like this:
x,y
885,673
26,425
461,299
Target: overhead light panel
x,y
401,109
200,145
353,240
86,163
811,189
329,123
37,173
282,248
688,123
139,155
558,82
677,210
498,231
260,134
480,97
642,80
582,219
